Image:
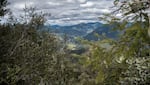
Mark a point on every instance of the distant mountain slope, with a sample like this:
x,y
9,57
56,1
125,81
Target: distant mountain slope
x,y
78,30
104,29
84,30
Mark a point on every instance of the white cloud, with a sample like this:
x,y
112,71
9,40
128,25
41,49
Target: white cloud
x,y
19,6
71,1
53,3
87,4
66,11
29,4
118,15
82,1
105,10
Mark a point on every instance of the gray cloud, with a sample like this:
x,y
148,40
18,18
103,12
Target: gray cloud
x,y
65,11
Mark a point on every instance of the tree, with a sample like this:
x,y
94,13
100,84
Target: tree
x,y
3,10
136,7
125,60
31,55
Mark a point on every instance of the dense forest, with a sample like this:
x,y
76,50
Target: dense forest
x,y
30,54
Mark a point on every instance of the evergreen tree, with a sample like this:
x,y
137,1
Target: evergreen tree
x,y
3,10
126,60
31,55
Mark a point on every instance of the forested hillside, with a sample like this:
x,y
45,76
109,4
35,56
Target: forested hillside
x,y
114,53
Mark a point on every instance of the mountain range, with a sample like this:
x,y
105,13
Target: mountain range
x,y
84,30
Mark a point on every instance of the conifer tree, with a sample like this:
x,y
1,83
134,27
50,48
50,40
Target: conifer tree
x,y
3,10
126,60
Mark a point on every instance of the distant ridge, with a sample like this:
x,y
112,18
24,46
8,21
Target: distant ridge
x,y
105,30
84,30
78,30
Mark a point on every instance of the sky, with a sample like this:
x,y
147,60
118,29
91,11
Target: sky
x,y
65,12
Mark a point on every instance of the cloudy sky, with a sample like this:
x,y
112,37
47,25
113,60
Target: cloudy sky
x,y
65,12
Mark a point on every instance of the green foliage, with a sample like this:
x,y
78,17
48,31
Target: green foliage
x,y
31,56
126,60
123,61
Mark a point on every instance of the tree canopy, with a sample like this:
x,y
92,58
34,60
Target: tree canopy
x,y
31,55
125,60
3,9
